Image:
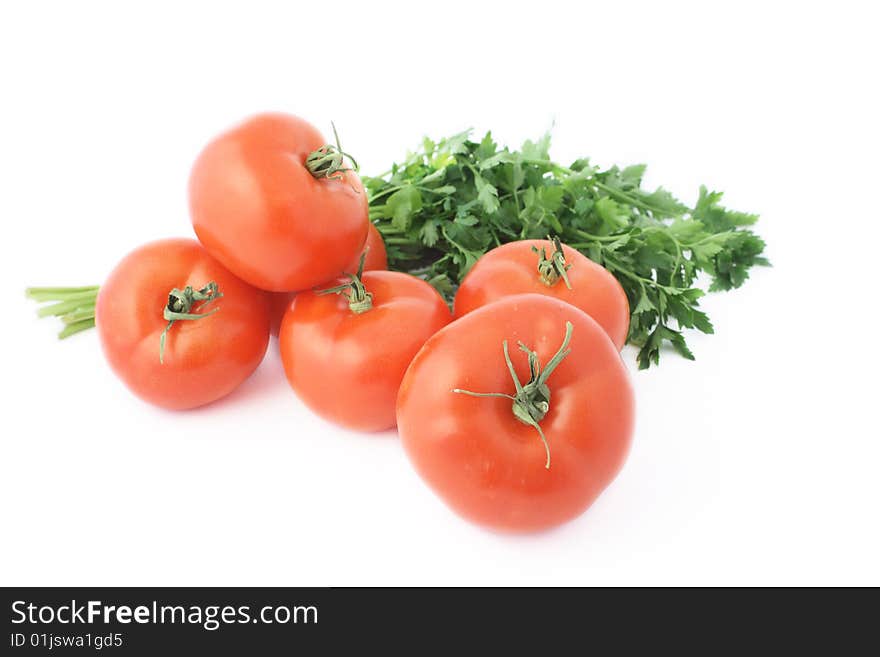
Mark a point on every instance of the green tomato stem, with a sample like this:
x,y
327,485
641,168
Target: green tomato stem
x,y
187,304
359,299
328,161
555,267
532,400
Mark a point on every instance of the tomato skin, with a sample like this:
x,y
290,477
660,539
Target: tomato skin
x,y
258,210
204,359
483,462
279,302
512,269
376,259
347,367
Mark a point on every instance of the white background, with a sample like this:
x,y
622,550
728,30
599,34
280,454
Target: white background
x,y
756,464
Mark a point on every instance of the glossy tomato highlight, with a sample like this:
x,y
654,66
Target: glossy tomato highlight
x,y
518,458
552,269
345,354
375,259
200,359
277,205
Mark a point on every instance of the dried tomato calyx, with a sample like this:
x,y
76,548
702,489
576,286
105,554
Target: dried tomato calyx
x,y
555,267
329,161
359,299
187,304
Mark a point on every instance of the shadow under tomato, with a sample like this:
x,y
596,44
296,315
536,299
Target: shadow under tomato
x,y
385,434
269,380
266,380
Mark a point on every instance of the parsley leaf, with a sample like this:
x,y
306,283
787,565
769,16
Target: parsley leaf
x,y
447,204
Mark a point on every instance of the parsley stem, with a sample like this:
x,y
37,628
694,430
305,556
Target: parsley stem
x,y
674,241
626,198
75,306
595,238
611,191
491,196
397,188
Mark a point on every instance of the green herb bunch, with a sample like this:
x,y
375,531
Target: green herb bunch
x,y
447,205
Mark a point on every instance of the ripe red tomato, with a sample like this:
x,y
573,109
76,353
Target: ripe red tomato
x,y
272,206
375,259
522,267
279,302
345,354
492,465
203,359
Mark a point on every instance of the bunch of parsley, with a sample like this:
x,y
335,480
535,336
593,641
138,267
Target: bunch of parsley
x,y
444,207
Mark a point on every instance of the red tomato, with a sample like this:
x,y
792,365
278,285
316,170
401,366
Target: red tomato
x,y
279,302
203,359
347,365
375,259
516,268
259,209
485,462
